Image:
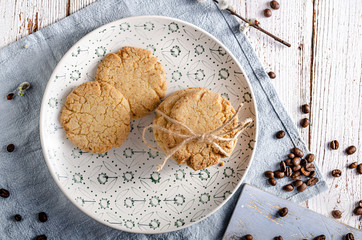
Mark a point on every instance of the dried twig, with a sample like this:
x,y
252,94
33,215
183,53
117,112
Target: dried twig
x,y
256,26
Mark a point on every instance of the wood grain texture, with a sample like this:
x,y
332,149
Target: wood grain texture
x,y
325,72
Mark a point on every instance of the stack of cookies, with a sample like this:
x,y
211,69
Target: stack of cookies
x,y
202,111
129,84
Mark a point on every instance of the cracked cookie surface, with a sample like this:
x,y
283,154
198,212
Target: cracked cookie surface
x,y
138,75
202,111
96,117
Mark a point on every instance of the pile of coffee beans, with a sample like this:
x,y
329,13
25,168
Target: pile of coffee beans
x,y
295,167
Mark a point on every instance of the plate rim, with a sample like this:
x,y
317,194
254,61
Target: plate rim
x,y
42,119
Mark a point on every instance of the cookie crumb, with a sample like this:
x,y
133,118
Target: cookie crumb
x,y
221,164
26,46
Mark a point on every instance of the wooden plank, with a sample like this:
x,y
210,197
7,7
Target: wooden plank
x,y
75,5
337,103
21,18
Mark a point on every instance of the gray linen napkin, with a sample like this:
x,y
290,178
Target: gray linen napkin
x,y
24,171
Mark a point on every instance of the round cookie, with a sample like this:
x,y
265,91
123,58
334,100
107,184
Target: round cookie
x,y
96,117
202,111
137,74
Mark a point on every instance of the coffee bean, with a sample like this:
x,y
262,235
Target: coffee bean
x,y
289,162
303,162
305,108
280,134
334,144
288,188
320,237
10,96
10,148
296,174
272,75
312,181
358,211
359,168
296,161
309,167
336,173
283,166
17,217
298,152
278,238
304,172
360,203
304,122
297,183
248,237
283,212
279,174
337,214
269,174
288,172
302,187
291,155
4,193
41,237
350,150
267,12
353,165
349,236
272,181
274,5
296,177
310,157
42,216
296,168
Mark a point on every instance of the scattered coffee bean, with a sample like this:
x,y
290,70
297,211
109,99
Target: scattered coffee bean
x,y
10,96
360,203
312,181
310,157
42,216
279,174
350,150
296,174
289,162
349,236
272,181
302,187
359,168
304,172
337,214
353,165
41,237
305,108
291,155
303,162
274,5
336,173
283,212
288,172
320,237
267,12
296,168
358,211
269,174
10,148
280,134
296,177
334,144
283,166
4,193
296,161
17,217
298,152
304,122
278,238
297,183
272,75
288,188
248,237
309,167
312,174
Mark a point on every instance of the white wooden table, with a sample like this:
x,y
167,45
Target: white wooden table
x,y
325,72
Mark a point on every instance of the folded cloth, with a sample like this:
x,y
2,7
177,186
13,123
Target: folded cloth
x,y
24,171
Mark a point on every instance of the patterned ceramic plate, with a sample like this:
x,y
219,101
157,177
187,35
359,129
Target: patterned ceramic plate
x,y
121,187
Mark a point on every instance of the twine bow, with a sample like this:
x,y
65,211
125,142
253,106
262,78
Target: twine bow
x,y
209,137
